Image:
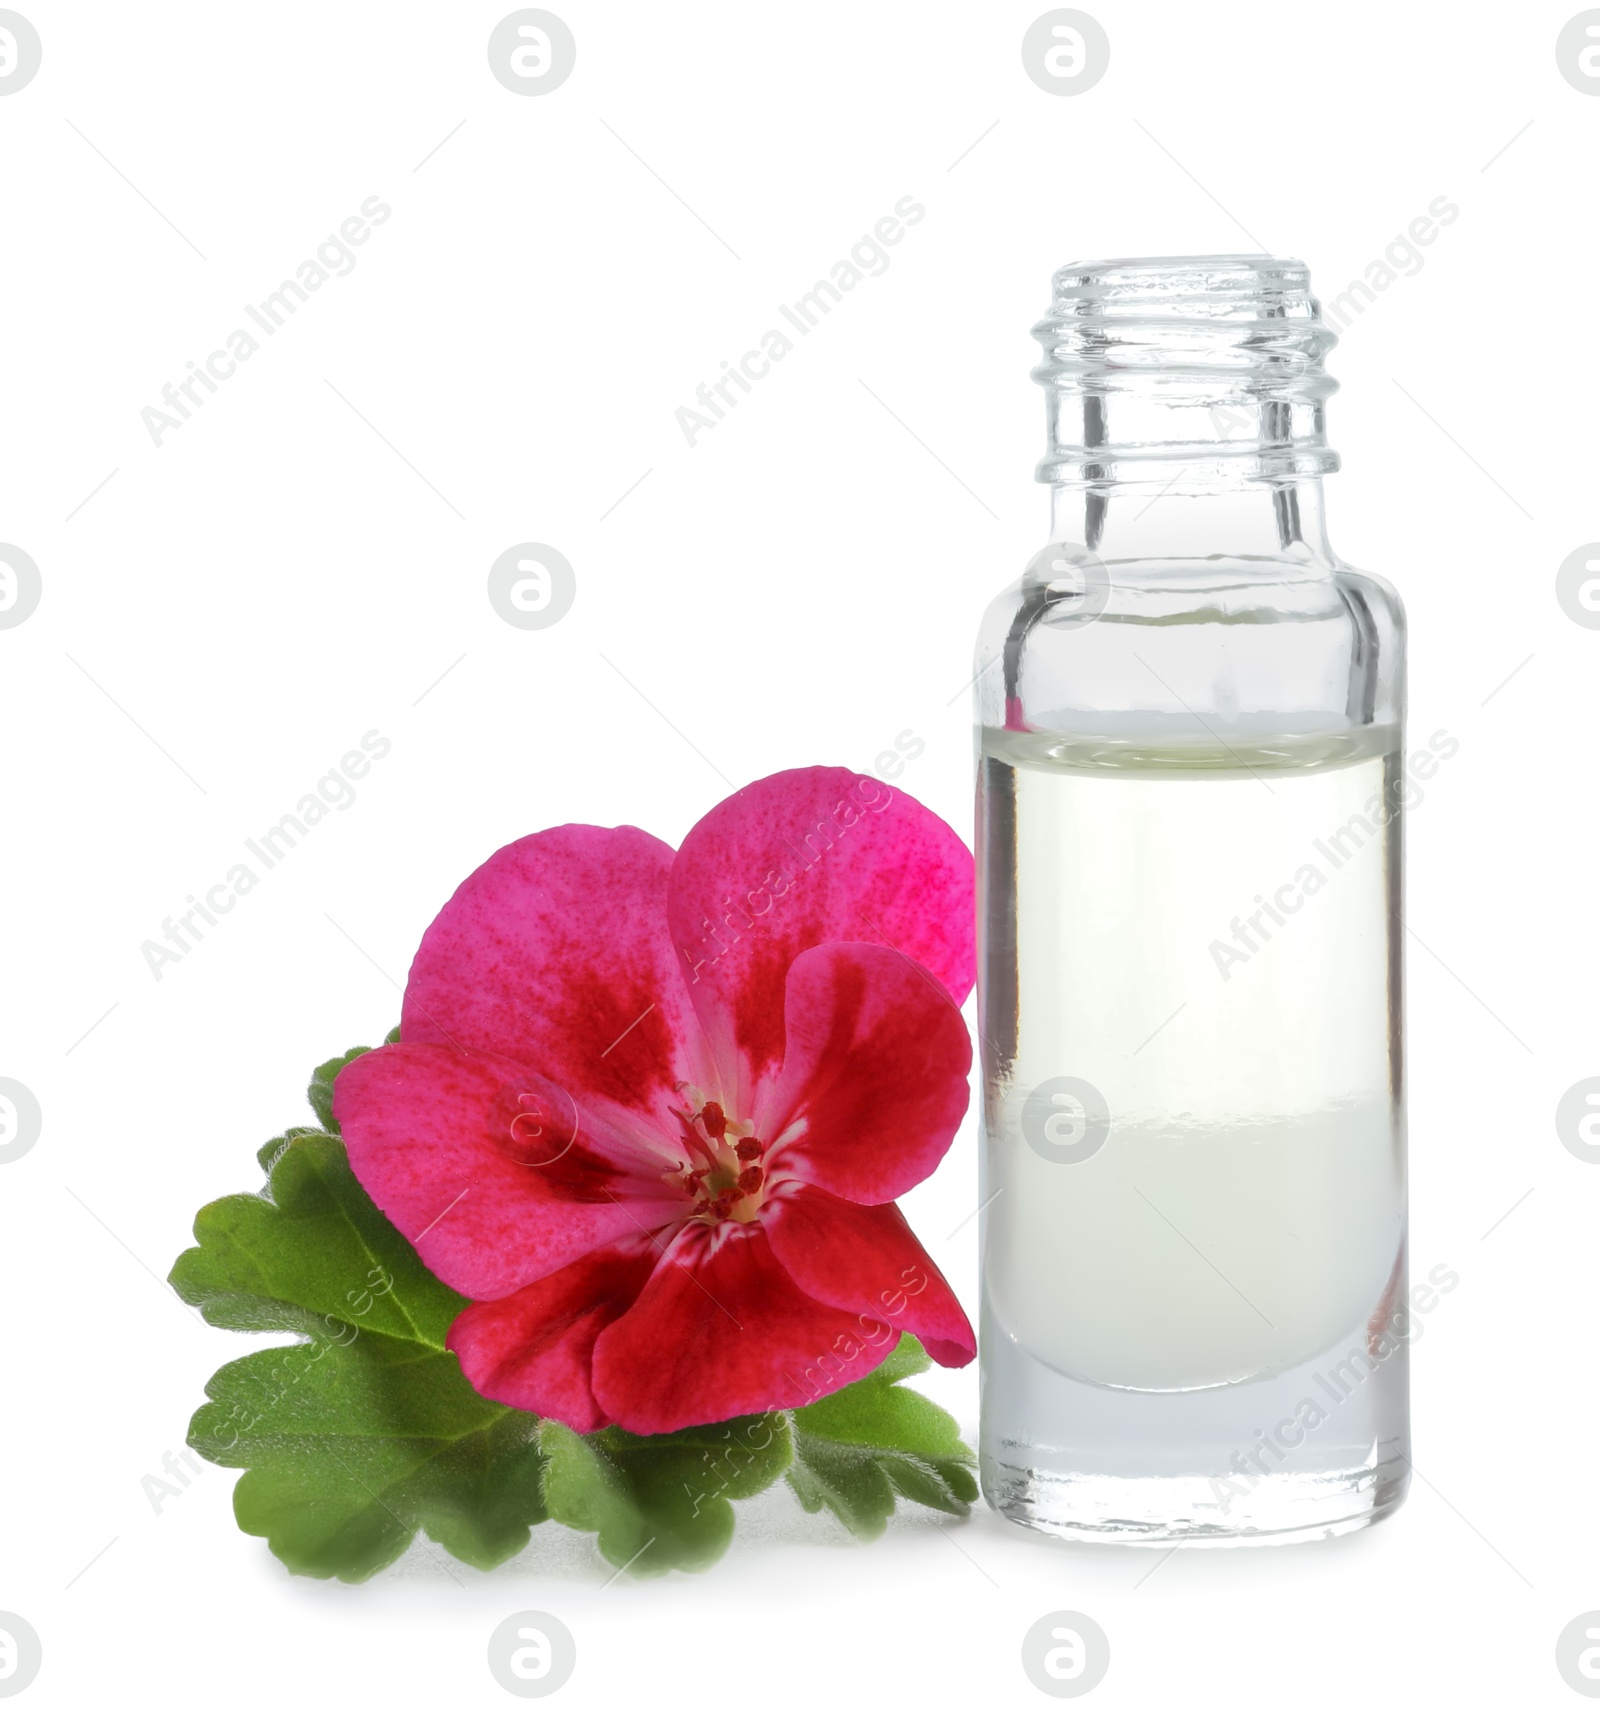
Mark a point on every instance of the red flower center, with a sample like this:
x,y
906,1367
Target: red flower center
x,y
722,1173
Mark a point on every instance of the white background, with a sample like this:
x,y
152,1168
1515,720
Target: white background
x,y
799,587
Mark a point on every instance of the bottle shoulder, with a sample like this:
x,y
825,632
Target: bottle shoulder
x,y
1077,585
1379,595
1298,640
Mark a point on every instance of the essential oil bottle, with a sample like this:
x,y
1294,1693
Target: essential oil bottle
x,y
1189,725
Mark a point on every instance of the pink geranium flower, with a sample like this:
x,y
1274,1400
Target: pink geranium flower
x,y
650,1110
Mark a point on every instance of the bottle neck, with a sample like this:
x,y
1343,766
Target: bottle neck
x,y
1184,403
1189,519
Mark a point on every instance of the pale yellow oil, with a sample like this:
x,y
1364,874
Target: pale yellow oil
x,y
1204,932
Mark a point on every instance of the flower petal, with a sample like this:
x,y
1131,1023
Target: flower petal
x,y
533,1348
802,858
720,1330
555,953
490,1171
864,1258
876,1070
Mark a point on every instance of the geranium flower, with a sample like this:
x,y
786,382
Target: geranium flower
x,y
650,1110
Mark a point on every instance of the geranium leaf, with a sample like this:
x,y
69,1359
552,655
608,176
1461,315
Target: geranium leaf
x,y
268,1154
659,1502
320,1091
858,1449
349,1451
360,1436
311,1247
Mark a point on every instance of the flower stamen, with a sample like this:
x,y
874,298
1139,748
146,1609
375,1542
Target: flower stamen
x,y
729,1185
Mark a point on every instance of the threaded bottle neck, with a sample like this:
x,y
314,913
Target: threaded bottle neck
x,y
1205,370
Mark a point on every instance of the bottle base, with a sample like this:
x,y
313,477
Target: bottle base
x,y
1286,1507
1317,1450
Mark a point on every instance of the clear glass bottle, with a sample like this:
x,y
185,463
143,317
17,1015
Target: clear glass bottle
x,y
1190,782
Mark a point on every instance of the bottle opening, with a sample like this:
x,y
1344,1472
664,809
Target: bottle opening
x,y
1200,366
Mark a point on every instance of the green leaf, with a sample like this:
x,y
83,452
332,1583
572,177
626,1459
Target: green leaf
x,y
320,1091
312,1255
658,1502
856,1450
355,1439
320,1095
273,1149
350,1451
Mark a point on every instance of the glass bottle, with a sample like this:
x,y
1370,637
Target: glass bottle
x,y
1195,1311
